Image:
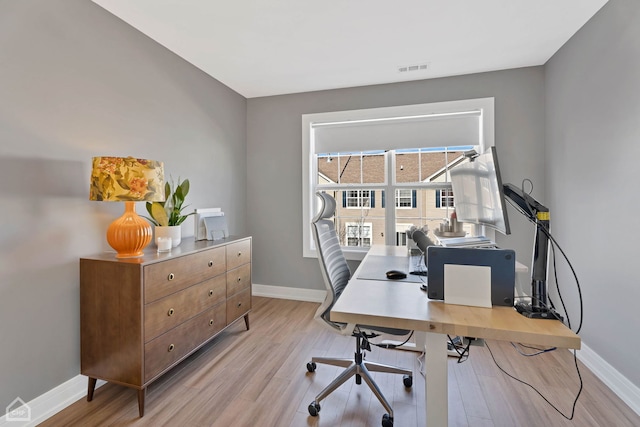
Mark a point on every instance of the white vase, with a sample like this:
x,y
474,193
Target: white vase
x,y
173,231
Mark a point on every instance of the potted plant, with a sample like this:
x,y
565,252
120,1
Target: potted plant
x,y
167,216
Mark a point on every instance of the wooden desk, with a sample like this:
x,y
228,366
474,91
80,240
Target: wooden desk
x,y
403,305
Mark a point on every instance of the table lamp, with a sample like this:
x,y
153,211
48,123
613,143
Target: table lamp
x,y
128,180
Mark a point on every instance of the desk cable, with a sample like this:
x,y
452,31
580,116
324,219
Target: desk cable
x,y
463,353
389,346
541,351
462,350
538,351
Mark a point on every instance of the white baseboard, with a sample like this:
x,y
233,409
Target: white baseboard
x,y
51,402
282,292
628,392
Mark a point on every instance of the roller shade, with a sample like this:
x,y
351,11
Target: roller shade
x,y
438,130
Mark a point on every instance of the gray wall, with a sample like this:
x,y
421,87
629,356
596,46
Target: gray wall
x,y
76,82
592,152
274,153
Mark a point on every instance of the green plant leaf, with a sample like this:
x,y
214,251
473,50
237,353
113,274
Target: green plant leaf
x,y
159,214
151,220
167,191
172,207
182,218
184,187
178,198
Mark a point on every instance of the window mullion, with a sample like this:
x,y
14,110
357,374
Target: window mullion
x,y
390,190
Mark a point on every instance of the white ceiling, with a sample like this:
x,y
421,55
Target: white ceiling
x,y
270,47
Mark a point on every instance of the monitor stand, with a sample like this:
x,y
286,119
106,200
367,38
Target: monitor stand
x,y
536,313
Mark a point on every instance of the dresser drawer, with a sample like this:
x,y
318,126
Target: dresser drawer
x,y
215,320
164,278
238,305
238,253
238,279
170,347
168,312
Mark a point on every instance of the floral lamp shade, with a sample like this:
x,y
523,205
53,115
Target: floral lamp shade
x,y
129,180
120,179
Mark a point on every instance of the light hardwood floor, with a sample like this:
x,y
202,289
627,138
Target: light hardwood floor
x,y
259,378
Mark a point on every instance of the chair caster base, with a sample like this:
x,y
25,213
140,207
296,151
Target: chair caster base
x,y
407,380
314,409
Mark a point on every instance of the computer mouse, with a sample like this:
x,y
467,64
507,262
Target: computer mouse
x,y
396,274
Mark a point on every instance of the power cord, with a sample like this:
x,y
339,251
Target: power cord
x,y
575,401
389,346
463,351
463,354
575,276
420,360
538,350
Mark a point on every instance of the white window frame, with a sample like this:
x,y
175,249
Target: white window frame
x,y
364,231
445,199
360,198
309,165
398,198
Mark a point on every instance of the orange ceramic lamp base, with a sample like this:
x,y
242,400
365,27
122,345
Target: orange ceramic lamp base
x,y
129,234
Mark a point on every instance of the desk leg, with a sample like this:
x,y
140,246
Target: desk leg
x,y
436,386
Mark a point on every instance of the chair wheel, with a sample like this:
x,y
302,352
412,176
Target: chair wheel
x,y
387,421
314,408
407,380
311,366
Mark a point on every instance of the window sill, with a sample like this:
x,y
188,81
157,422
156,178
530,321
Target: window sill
x,y
351,254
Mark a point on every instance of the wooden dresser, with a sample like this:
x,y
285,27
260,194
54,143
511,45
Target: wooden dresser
x,y
139,317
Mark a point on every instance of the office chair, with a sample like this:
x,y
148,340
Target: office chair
x,y
336,274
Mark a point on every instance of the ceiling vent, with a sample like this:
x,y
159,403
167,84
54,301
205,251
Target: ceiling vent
x,y
414,67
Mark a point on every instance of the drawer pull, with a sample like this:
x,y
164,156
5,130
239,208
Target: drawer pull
x,y
210,292
211,322
171,276
239,304
171,347
170,312
239,253
239,279
210,264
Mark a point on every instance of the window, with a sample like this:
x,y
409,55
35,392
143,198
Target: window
x,y
444,198
358,234
357,199
359,156
405,198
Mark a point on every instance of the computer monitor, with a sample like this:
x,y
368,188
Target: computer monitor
x,y
478,192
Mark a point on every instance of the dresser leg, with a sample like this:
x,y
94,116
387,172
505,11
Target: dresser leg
x,y
246,320
90,388
141,395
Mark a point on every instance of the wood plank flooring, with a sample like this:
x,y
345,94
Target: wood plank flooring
x,y
259,378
